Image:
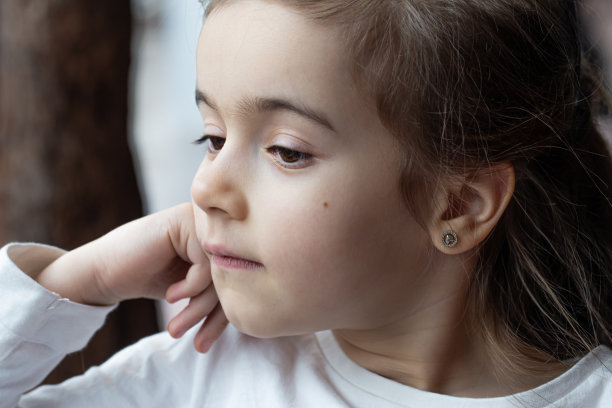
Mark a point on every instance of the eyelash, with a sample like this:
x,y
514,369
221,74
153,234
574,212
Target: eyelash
x,y
291,159
296,159
214,140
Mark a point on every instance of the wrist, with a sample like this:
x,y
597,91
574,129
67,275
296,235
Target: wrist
x,y
33,258
73,276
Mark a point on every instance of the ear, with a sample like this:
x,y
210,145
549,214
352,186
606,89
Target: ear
x,y
472,206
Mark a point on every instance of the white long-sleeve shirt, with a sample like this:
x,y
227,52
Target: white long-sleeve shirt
x,y
38,328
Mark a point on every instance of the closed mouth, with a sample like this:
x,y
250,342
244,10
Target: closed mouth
x,y
226,259
234,263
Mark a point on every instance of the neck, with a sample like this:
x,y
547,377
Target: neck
x,y
434,349
430,354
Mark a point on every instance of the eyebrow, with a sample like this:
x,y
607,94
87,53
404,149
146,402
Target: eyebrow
x,y
259,104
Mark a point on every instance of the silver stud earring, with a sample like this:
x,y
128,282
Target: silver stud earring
x,y
449,238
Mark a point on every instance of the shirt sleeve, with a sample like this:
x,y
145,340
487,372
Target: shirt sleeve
x,y
37,329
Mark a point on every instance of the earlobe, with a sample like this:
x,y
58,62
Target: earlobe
x,y
471,208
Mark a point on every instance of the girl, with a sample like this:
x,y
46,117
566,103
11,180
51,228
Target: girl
x,y
403,204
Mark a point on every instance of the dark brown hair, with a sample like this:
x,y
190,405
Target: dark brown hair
x,y
467,84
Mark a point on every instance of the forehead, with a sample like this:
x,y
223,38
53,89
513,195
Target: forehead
x,y
256,48
252,29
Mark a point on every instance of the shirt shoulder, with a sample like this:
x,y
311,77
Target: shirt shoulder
x,y
590,381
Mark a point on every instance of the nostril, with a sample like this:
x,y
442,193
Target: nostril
x,y
211,211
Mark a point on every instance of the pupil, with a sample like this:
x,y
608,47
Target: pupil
x,y
217,142
289,156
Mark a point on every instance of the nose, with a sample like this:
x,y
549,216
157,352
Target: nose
x,y
218,186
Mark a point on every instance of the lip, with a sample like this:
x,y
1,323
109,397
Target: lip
x,y
224,258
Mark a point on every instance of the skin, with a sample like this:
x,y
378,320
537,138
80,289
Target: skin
x,y
297,223
344,265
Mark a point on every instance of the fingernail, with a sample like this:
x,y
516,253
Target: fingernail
x,y
205,346
175,333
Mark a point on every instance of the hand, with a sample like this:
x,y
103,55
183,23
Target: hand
x,y
150,257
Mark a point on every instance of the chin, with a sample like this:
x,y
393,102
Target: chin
x,y
259,329
250,322
263,326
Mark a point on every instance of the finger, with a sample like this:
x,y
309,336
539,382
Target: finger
x,y
196,280
198,308
183,235
211,329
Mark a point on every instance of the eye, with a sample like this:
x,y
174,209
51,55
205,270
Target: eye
x,y
290,158
215,142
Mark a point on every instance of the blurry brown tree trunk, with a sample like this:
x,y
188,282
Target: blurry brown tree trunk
x,y
66,174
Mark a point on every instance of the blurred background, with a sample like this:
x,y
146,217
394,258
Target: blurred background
x,y
596,16
97,116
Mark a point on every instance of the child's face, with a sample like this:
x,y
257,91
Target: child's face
x,y
331,242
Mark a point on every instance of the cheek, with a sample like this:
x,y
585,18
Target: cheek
x,y
334,243
300,227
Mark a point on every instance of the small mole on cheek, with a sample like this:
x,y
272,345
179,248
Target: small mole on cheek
x,y
325,204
